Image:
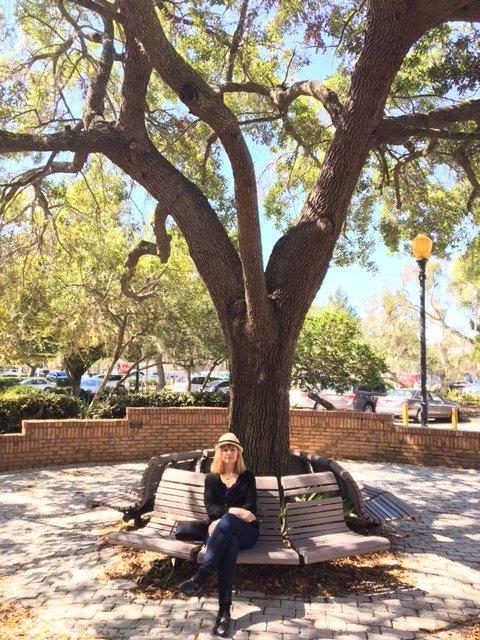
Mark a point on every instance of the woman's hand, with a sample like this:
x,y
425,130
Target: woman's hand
x,y
244,514
212,526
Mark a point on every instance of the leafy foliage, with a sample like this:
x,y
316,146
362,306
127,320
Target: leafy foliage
x,y
115,406
36,406
7,381
332,353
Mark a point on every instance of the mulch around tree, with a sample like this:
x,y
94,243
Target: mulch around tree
x,y
158,578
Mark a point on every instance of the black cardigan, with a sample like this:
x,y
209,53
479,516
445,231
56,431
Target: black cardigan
x,y
219,498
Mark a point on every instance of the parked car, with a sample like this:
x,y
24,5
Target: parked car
x,y
218,386
13,372
472,389
361,398
438,407
89,386
57,376
181,383
112,380
41,384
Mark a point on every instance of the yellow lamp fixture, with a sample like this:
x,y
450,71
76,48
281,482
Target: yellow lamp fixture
x,y
422,247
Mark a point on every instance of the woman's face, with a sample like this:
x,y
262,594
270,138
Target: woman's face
x,y
229,453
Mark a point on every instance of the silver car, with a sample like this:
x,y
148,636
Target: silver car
x,y
438,407
41,384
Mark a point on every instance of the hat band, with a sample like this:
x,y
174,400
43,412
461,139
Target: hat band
x,y
220,444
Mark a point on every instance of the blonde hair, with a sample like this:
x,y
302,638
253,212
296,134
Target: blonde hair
x,y
218,466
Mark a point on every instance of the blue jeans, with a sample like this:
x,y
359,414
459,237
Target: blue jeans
x,y
229,536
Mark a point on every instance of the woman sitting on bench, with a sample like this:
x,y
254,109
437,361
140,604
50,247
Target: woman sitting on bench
x,y
231,503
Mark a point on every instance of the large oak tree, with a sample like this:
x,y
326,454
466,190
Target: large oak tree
x,y
157,75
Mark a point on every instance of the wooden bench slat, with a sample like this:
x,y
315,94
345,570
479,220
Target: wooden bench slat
x,y
312,489
306,480
180,490
184,477
310,532
168,499
317,528
319,517
298,505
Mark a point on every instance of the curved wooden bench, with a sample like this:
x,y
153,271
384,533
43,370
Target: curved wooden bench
x,y
316,528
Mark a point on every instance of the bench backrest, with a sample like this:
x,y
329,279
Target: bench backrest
x,y
186,460
348,487
152,474
317,517
179,497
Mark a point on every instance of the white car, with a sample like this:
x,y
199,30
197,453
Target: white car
x,y
301,400
38,383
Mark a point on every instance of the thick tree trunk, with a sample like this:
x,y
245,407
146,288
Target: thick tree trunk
x,y
259,404
76,380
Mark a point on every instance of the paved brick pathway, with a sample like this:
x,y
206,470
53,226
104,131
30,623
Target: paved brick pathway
x,y
52,556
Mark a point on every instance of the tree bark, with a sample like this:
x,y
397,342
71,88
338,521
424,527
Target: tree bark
x,y
160,370
259,404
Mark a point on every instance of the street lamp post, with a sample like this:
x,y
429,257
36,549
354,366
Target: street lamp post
x,y
421,249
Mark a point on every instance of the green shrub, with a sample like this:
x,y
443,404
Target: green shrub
x,y
19,390
115,406
38,405
455,395
7,381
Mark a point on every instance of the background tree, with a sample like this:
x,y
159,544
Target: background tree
x,y
465,286
168,88
332,353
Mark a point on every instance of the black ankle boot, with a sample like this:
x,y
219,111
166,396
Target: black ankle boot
x,y
195,585
223,623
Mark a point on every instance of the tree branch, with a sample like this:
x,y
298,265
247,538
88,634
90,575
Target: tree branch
x,y
105,9
160,231
210,247
293,276
137,71
69,140
95,102
464,161
143,248
205,103
398,129
282,97
413,154
469,13
236,40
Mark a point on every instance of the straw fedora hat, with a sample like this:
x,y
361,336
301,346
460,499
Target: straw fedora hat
x,y
229,438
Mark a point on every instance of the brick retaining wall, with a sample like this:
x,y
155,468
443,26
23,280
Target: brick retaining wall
x,y
150,431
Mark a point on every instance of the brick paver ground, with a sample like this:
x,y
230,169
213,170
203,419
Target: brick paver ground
x,y
52,557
